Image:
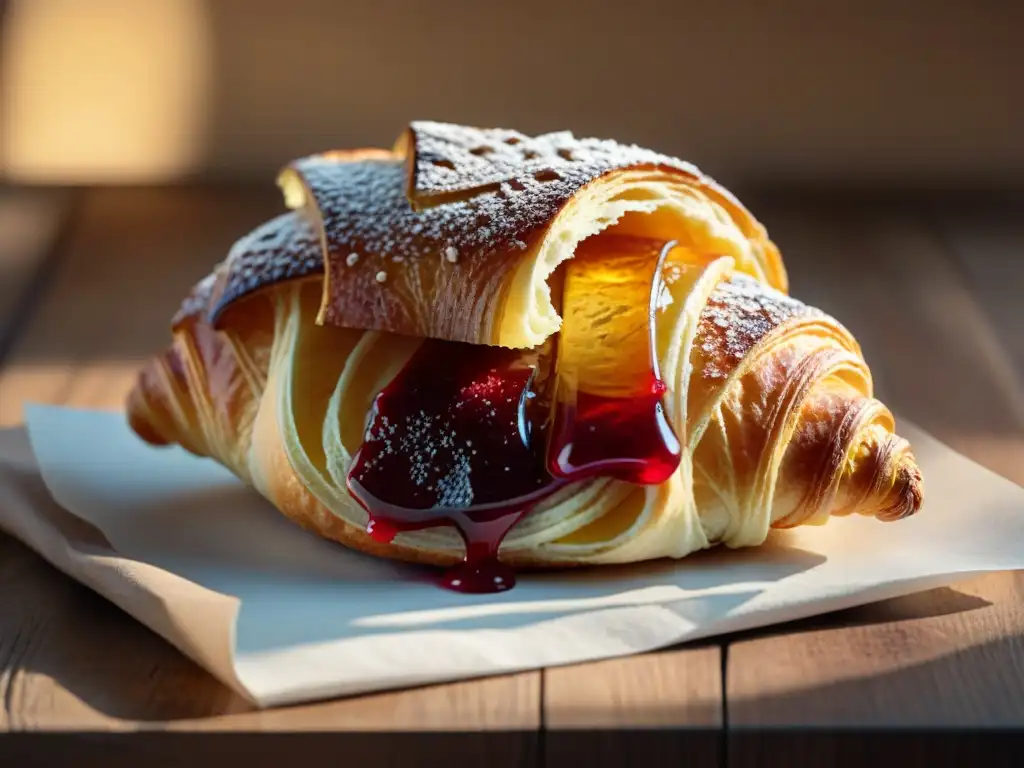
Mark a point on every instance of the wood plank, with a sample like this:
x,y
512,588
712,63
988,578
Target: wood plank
x,y
664,707
950,657
30,223
72,661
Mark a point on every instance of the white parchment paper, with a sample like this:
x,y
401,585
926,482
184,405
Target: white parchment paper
x,y
282,616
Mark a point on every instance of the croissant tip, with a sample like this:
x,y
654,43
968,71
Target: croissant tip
x,y
907,493
137,410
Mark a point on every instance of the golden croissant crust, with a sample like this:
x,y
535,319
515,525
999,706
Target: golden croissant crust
x,y
277,360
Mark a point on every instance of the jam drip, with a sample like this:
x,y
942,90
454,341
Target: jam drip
x,y
456,439
474,436
608,417
626,438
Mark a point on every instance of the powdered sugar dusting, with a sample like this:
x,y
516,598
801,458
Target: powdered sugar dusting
x,y
457,439
364,208
452,159
740,312
476,196
284,248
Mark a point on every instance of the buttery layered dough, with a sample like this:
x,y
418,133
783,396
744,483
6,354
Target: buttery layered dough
x,y
492,237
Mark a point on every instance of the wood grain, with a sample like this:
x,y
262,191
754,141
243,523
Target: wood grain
x,y
950,657
70,660
664,706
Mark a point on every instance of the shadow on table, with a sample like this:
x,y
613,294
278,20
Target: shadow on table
x,y
960,708
941,601
979,685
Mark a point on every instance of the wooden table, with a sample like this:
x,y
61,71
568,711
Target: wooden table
x,y
933,288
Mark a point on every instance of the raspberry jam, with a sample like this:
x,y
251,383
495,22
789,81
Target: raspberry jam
x,y
628,439
456,439
475,436
608,418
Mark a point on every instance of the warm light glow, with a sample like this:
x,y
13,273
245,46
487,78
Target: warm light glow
x,y
95,384
105,90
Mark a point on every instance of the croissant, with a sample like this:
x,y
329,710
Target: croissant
x,y
485,350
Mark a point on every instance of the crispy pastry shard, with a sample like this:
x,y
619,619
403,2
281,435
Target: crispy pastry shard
x,y
456,232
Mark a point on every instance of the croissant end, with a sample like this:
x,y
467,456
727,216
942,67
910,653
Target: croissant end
x,y
878,478
905,495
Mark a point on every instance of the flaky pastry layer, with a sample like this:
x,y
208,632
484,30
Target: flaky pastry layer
x,y
771,401
456,232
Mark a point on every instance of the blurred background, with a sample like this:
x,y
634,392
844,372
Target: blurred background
x,y
850,92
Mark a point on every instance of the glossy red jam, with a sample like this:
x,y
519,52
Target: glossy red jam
x,y
469,436
457,439
628,439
